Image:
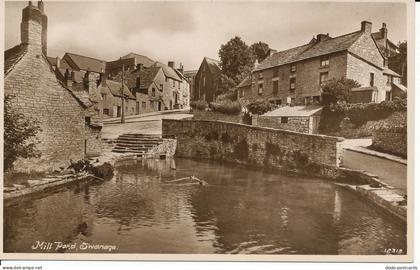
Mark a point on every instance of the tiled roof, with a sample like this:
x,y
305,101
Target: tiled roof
x,y
246,82
140,59
115,88
168,71
80,93
53,62
12,56
190,73
87,63
299,111
307,51
214,65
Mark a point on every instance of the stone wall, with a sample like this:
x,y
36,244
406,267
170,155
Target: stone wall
x,y
258,146
391,140
39,96
209,115
93,142
298,124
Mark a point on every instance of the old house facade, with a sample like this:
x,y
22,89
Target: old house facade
x,y
295,76
130,62
207,80
63,115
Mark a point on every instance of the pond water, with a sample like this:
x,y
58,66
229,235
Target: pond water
x,y
241,210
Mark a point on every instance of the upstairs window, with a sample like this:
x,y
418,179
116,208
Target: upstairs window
x,y
138,82
260,75
260,88
284,120
372,79
275,72
292,85
293,68
87,121
325,61
161,87
275,87
153,92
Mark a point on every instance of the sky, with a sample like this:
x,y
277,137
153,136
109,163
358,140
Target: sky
x,y
185,32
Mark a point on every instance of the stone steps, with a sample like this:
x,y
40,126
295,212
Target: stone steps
x,y
138,144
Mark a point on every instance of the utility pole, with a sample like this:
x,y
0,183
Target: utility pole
x,y
122,94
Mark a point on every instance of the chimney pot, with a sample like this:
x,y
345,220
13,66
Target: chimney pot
x,y
366,27
321,37
171,64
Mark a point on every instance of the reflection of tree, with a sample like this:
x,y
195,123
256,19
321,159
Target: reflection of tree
x,y
56,217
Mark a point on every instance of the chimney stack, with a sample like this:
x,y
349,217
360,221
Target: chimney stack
x,y
139,66
57,62
366,27
322,37
31,28
89,82
68,78
171,64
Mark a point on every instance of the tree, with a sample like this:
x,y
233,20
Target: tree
x,y
236,59
19,134
260,51
402,47
337,90
226,84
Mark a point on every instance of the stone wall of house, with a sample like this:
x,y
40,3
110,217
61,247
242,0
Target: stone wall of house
x,y
209,115
39,96
258,146
391,140
298,124
93,142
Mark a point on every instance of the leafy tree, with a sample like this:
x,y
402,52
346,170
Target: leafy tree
x,y
260,51
337,90
402,47
18,136
226,84
260,107
236,59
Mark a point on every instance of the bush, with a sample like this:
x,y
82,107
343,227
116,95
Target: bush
x,y
334,90
226,106
198,104
260,107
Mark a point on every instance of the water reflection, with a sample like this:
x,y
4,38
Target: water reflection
x,y
241,211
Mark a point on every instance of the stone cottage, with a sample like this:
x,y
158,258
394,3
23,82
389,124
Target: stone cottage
x,y
130,62
207,80
295,76
69,127
303,119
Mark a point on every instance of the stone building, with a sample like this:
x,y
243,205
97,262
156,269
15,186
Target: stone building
x,y
190,76
69,126
303,119
130,62
111,93
207,80
295,76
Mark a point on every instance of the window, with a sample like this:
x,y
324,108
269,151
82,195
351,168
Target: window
x,y
292,101
260,75
153,92
323,77
308,100
293,68
152,105
173,83
316,99
179,85
143,105
204,81
275,72
372,79
292,84
138,82
388,81
241,92
87,121
284,120
260,88
106,111
278,101
275,87
325,61
161,87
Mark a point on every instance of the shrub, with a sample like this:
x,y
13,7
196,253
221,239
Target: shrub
x,y
19,136
334,90
198,104
226,106
260,107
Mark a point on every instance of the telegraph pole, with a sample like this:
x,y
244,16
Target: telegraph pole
x,y
122,94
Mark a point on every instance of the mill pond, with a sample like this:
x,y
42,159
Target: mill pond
x,y
240,210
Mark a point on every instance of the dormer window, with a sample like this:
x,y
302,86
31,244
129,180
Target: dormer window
x,y
325,61
293,68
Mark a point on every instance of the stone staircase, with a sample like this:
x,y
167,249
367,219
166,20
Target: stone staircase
x,y
138,144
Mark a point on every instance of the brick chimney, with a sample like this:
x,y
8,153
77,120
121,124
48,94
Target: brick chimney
x,y
31,28
366,27
68,78
322,37
171,64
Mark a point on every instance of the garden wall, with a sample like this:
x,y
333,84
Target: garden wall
x,y
216,116
244,144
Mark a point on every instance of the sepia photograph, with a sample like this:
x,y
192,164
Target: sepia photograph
x,y
241,130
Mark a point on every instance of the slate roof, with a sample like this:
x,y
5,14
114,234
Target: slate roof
x,y
245,82
190,73
115,88
214,65
12,56
147,75
168,71
310,50
53,60
140,59
298,111
391,72
87,63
